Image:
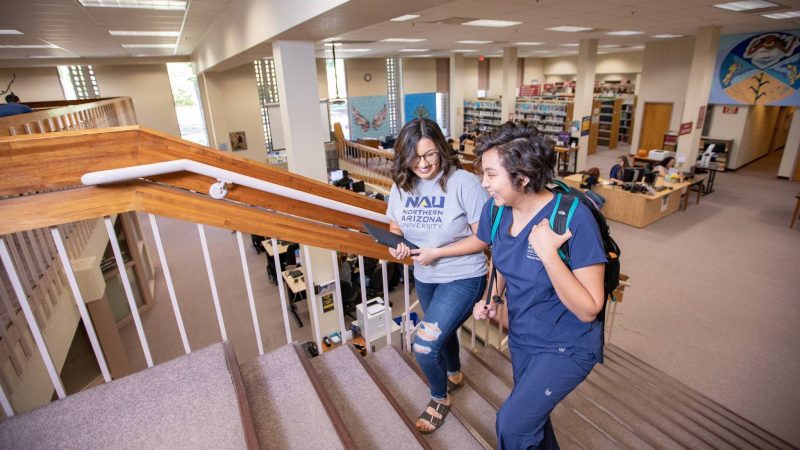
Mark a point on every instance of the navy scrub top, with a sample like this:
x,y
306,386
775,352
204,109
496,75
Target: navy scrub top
x,y
538,320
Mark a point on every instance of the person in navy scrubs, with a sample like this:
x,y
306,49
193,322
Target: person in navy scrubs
x,y
554,337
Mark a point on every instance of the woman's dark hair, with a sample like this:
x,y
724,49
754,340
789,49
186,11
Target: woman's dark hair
x,y
524,153
406,153
625,163
666,161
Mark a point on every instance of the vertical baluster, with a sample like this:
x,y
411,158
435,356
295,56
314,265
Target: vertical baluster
x,y
387,309
26,283
365,315
76,293
486,332
281,290
51,256
15,331
250,298
123,274
7,409
212,281
406,306
311,295
40,127
170,287
36,252
339,301
38,292
501,311
5,337
472,333
34,328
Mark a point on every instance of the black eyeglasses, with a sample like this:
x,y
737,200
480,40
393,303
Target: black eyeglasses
x,y
431,158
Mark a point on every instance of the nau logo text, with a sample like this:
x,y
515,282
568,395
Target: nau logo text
x,y
425,202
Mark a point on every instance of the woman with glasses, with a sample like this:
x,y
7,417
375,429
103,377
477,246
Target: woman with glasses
x,y
434,203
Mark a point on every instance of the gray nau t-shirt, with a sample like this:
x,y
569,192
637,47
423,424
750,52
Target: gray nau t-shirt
x,y
431,217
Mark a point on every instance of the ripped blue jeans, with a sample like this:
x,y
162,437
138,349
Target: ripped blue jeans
x,y
446,307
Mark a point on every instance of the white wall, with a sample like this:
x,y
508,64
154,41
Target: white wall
x,y
33,84
148,86
756,135
322,79
728,126
496,77
470,77
612,63
419,75
665,75
534,70
791,149
356,68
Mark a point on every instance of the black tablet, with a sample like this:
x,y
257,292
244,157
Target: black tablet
x,y
386,238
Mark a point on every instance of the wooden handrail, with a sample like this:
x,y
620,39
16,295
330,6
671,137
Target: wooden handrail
x,y
76,116
371,150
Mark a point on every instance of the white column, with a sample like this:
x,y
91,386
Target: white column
x,y
509,83
456,94
700,75
584,92
296,71
791,149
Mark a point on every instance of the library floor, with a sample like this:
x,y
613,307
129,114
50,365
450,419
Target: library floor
x,y
713,301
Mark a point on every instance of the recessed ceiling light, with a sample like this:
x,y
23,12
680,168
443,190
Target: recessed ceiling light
x,y
782,15
571,45
528,43
415,50
29,46
570,29
146,33
745,5
492,23
667,36
148,45
463,50
353,50
624,33
10,32
169,5
474,42
403,40
609,46
405,17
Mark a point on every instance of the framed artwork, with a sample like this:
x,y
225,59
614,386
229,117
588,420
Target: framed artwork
x,y
238,141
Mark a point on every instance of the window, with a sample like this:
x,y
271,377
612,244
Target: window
x,y
78,82
188,107
267,83
337,95
393,93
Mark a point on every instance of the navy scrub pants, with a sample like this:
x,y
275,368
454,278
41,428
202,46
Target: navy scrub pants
x,y
541,380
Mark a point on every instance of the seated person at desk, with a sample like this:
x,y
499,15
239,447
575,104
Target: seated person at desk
x,y
663,167
473,136
618,169
12,106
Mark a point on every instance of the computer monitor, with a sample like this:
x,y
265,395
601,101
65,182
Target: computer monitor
x,y
650,178
336,175
358,186
631,174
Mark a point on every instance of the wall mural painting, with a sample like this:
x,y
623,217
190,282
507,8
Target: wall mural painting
x,y
420,106
368,117
758,69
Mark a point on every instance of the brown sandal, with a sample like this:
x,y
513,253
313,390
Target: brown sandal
x,y
437,422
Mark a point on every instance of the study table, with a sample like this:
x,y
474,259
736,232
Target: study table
x,y
637,209
296,285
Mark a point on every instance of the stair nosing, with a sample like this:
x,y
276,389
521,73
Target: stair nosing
x,y
338,424
245,413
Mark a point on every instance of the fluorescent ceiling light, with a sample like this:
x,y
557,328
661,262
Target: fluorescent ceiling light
x,y
146,33
570,29
667,36
528,43
405,17
333,44
637,47
353,50
148,45
168,5
423,56
10,32
463,50
571,45
29,46
331,39
624,33
745,5
42,56
782,15
542,51
403,40
492,23
474,42
415,50
609,46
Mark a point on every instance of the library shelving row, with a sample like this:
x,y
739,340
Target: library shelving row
x,y
482,113
626,116
550,117
608,131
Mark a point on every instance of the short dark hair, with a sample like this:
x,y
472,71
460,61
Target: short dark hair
x,y
12,98
406,153
666,161
524,153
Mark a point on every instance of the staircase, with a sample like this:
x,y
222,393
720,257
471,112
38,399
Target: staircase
x,y
283,400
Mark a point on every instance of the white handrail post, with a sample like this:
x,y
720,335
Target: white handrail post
x,y
387,309
170,287
365,315
123,274
212,281
32,325
311,295
87,320
7,409
281,289
407,313
250,298
339,300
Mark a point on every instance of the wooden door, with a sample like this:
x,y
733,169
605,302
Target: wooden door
x,y
655,123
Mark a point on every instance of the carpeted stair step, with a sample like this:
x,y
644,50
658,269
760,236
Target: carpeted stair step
x,y
189,402
368,414
743,428
289,404
570,426
412,394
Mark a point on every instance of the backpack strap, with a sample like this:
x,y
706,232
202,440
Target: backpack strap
x,y
560,219
497,214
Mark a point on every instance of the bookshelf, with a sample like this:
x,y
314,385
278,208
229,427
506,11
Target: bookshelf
x,y
549,116
627,113
485,112
609,124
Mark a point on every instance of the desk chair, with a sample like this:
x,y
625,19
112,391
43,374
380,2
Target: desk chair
x,y
286,260
351,289
796,213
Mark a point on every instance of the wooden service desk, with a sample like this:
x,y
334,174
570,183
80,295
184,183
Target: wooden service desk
x,y
639,209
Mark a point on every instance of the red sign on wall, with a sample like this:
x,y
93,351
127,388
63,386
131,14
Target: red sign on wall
x,y
730,110
686,128
530,90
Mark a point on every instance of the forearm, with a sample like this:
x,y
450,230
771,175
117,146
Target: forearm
x,y
572,293
467,246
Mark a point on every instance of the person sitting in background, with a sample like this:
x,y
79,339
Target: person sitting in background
x,y
12,106
590,178
663,167
618,169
